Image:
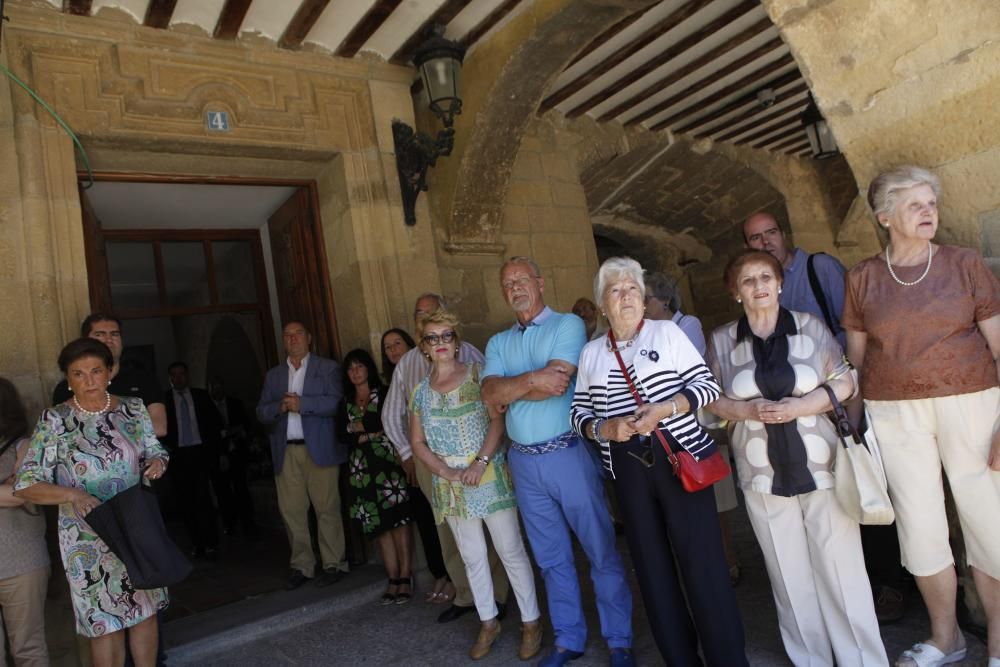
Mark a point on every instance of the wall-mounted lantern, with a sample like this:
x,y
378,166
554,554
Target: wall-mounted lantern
x,y
821,140
439,61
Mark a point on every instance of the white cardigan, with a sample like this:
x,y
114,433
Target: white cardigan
x,y
665,364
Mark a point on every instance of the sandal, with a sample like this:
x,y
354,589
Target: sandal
x,y
404,597
387,597
447,593
436,595
928,655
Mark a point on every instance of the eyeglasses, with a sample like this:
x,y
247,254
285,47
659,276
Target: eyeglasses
x,y
646,458
434,339
523,281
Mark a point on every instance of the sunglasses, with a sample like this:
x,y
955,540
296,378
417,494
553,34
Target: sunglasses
x,y
646,458
434,339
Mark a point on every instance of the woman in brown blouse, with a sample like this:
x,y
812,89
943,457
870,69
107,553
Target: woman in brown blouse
x,y
923,327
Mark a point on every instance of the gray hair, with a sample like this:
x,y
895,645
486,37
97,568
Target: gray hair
x,y
885,188
432,295
614,269
664,288
521,259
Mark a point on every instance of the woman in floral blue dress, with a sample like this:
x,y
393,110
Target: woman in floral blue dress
x,y
458,438
83,452
379,496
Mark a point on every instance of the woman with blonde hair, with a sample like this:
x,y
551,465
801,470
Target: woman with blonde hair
x,y
458,438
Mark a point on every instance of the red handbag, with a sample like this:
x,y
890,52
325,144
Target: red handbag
x,y
695,475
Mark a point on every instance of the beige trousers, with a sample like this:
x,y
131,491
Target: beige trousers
x,y
22,604
812,551
300,484
453,562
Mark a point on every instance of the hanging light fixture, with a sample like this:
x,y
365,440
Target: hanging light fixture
x,y
439,61
821,139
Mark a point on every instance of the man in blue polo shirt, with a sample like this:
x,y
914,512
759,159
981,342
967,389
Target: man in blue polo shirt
x,y
530,369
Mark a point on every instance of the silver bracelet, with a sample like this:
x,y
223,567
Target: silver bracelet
x,y
674,407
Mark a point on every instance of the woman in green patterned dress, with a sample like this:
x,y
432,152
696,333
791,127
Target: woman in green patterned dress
x,y
458,438
379,497
83,452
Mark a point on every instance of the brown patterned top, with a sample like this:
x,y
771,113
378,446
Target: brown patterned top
x,y
815,357
923,341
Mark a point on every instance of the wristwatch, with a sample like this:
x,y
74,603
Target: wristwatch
x,y
485,460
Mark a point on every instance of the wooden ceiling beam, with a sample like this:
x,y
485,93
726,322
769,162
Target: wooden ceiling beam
x,y
487,23
300,25
751,79
158,13
752,114
231,18
764,130
749,98
795,131
627,51
608,34
797,148
78,7
366,27
666,56
759,117
442,16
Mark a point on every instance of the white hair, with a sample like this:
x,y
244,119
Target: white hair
x,y
614,269
885,188
521,259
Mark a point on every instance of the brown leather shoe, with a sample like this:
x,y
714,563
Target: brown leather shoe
x,y
488,633
531,640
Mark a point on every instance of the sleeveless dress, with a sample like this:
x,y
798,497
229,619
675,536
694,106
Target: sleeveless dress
x,y
103,455
379,497
455,424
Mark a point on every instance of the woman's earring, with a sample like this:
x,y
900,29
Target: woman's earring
x,y
739,300
779,290
456,351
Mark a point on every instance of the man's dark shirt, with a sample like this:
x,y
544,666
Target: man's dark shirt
x,y
126,383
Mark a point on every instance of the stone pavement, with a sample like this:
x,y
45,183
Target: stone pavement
x,y
344,625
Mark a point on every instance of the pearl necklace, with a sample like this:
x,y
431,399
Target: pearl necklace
x,y
930,255
614,345
107,405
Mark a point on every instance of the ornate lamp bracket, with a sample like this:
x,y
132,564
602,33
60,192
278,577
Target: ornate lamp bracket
x,y
416,152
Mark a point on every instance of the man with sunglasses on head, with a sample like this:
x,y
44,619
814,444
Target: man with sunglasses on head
x,y
530,370
411,369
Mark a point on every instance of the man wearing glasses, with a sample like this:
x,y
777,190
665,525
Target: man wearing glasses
x,y
411,369
529,370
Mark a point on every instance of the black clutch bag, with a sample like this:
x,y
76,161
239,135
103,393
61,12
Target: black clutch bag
x,y
131,525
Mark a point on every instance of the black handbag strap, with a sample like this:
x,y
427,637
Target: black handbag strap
x,y
842,423
7,445
817,290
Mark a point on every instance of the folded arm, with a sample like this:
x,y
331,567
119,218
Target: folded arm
x,y
552,380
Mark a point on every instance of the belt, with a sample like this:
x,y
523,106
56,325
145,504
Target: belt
x,y
295,442
567,439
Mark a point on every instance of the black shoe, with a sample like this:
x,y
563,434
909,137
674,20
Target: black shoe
x,y
453,612
329,577
297,579
501,610
889,606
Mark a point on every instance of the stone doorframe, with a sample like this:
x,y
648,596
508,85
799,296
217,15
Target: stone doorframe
x,y
138,98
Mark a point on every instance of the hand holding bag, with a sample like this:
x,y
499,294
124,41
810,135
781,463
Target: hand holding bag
x,y
859,478
695,475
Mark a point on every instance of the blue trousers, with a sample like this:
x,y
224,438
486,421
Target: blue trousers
x,y
562,491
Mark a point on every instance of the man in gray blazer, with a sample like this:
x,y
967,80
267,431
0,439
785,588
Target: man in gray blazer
x,y
300,401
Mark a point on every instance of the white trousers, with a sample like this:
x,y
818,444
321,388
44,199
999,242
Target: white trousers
x,y
812,550
506,535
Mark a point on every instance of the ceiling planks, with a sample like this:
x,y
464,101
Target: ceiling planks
x,y
750,98
366,27
616,58
302,22
158,13
231,18
442,17
608,34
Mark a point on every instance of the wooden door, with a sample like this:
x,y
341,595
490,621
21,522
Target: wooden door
x,y
300,273
97,263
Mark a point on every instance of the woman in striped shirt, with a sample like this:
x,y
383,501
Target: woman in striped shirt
x,y
662,520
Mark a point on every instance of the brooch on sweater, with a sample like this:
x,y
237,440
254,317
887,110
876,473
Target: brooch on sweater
x,y
653,355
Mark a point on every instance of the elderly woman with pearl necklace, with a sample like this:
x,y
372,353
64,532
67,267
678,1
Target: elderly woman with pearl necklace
x,y
82,453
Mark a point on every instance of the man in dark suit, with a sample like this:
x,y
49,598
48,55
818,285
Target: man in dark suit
x,y
193,434
300,400
230,483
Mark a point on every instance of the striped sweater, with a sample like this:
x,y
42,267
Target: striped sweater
x,y
663,363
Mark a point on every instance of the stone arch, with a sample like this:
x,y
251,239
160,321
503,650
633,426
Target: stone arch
x,y
522,76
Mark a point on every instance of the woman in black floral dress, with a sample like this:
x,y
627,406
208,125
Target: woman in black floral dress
x,y
379,499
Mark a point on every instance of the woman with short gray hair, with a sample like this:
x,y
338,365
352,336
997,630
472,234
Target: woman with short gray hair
x,y
923,328
664,523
